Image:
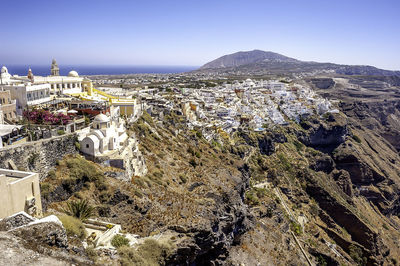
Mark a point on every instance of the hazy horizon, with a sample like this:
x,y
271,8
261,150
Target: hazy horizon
x,y
181,33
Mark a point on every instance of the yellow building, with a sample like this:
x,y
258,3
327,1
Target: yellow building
x,y
128,106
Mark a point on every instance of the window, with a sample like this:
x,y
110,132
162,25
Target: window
x,y
87,146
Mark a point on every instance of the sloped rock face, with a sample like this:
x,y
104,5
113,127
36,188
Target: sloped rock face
x,y
322,163
345,217
342,179
43,234
361,173
380,116
323,83
265,142
327,138
324,135
211,242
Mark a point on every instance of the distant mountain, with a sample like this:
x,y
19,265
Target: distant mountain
x,y
261,62
245,58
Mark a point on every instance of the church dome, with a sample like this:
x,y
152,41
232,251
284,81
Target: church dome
x,y
73,73
4,70
101,118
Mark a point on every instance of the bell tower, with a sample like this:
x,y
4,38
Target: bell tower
x,y
55,71
30,75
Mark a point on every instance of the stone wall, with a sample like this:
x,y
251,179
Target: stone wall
x,y
38,156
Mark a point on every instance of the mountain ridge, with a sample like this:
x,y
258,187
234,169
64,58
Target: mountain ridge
x,y
267,61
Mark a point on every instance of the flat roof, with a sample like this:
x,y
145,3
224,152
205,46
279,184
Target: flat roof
x,y
13,176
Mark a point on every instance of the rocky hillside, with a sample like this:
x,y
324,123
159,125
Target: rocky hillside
x,y
325,192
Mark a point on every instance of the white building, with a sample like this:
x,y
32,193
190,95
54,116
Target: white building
x,y
4,76
28,94
106,135
71,84
61,84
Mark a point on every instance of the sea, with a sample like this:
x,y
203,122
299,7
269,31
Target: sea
x,y
86,70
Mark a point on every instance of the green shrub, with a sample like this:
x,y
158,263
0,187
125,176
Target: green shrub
x,y
77,145
51,174
251,198
45,189
81,169
119,241
199,134
79,209
60,132
321,261
356,254
356,138
73,226
296,228
183,179
284,161
299,146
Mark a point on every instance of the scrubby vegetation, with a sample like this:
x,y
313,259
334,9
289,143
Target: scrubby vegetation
x,y
119,241
73,226
357,255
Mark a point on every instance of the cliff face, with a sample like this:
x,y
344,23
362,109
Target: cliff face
x,y
350,175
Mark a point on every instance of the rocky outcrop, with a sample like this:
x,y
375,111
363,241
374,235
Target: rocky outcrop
x,y
323,83
38,236
327,138
324,135
342,179
322,163
361,172
264,142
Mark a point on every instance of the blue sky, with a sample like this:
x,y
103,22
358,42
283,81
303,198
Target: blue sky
x,y
193,32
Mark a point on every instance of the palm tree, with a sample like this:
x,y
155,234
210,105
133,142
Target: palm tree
x,y
79,209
